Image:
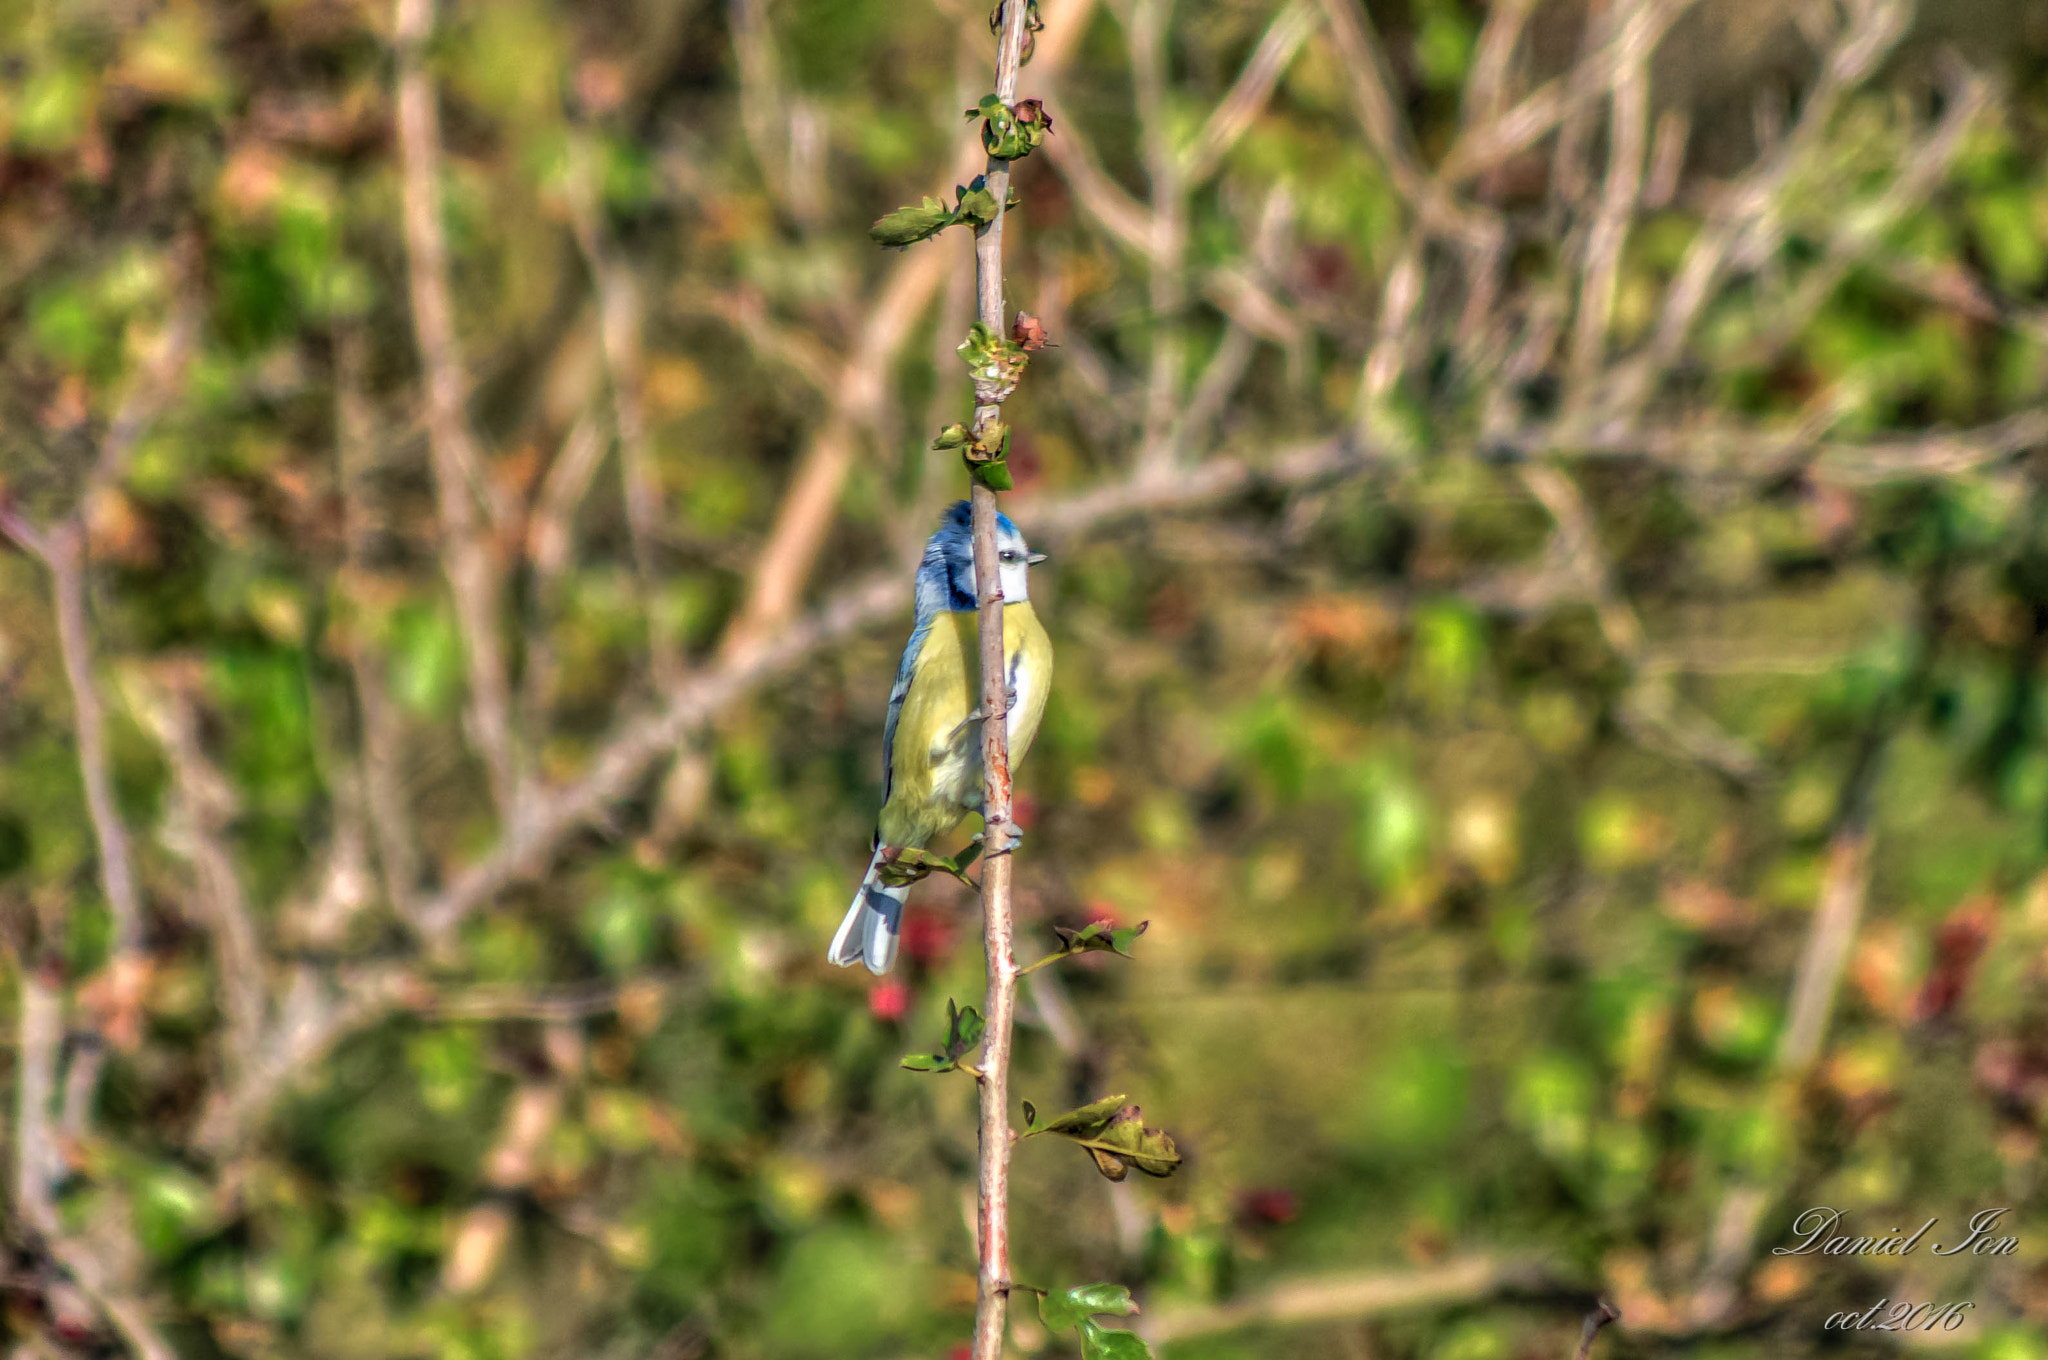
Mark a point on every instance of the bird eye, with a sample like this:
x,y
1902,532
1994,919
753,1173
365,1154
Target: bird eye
x,y
1009,556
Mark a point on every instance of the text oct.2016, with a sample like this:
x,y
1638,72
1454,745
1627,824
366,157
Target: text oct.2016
x,y
1886,1316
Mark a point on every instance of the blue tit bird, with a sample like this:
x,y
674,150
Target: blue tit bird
x,y
931,743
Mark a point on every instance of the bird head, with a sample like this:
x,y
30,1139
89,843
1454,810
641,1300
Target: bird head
x,y
945,580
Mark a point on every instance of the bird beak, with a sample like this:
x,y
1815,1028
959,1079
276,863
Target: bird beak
x,y
1033,559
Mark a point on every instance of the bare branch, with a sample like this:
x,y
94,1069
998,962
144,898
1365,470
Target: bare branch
x,y
1744,212
550,546
619,327
1330,1298
384,792
1167,275
1859,231
478,1244
1596,1321
1101,197
66,561
1650,708
38,1164
40,1034
203,806
1628,134
460,480
1487,85
1489,144
1238,109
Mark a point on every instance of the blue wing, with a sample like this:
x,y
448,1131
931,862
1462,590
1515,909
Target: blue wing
x,y
905,669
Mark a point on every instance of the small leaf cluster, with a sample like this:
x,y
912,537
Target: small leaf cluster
x,y
1033,23
1010,132
964,1027
1078,1307
974,204
994,362
1114,1134
983,452
1097,937
902,866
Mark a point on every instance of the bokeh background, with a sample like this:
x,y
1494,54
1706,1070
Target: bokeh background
x,y
1550,583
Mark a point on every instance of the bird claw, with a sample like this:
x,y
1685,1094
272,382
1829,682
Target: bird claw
x,y
980,712
1012,838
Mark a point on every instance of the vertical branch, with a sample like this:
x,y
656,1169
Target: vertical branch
x,y
202,807
1627,142
384,795
992,1218
1167,276
41,1034
459,479
1817,979
66,561
619,331
514,1163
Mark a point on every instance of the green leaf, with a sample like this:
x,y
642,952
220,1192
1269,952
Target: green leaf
x,y
903,865
1102,1343
1114,1135
977,202
1095,937
1064,1308
964,1028
907,226
1084,1120
1011,131
1099,937
1078,1307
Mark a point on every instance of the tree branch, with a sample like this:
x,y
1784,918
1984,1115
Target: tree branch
x,y
619,333
992,1207
1330,1298
460,480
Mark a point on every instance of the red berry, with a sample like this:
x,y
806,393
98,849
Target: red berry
x,y
889,999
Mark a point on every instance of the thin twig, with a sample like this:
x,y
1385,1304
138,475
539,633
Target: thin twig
x,y
1102,198
1628,138
203,805
384,794
513,1164
1596,1321
1166,276
66,561
1237,110
40,1031
619,334
1333,1297
1874,27
1844,888
550,548
460,479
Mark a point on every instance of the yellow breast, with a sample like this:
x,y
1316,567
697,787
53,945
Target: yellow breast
x,y
935,764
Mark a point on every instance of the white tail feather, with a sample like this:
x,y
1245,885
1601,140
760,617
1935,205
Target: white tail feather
x,y
868,934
